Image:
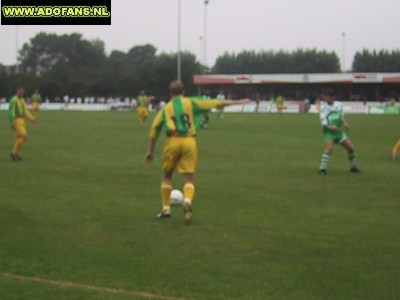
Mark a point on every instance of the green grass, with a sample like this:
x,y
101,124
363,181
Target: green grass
x,y
81,208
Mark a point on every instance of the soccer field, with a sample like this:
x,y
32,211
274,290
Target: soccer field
x,y
77,215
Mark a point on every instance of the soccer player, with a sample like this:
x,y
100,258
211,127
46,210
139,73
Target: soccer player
x,y
396,149
280,104
17,112
180,119
141,108
36,100
204,114
332,121
220,113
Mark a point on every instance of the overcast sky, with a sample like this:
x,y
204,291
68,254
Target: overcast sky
x,y
235,25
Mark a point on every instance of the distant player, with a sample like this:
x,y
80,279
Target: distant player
x,y
280,104
36,100
180,119
17,112
332,121
396,149
142,103
220,110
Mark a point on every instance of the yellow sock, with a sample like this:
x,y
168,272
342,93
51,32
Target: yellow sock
x,y
17,146
396,148
166,188
188,192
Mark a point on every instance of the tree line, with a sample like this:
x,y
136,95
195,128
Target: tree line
x,y
71,65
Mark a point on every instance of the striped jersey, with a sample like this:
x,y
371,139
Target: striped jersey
x,y
142,101
36,97
17,109
332,114
181,116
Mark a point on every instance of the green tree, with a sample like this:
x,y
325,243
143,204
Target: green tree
x,y
141,56
373,61
165,69
67,63
48,50
299,61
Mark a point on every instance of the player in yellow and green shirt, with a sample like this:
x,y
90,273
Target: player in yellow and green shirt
x,y
36,100
396,149
204,114
280,106
180,118
142,107
17,112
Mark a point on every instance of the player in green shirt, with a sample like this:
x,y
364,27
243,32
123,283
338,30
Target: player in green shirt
x,y
220,110
333,123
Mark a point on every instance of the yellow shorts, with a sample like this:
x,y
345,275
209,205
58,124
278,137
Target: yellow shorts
x,y
180,152
142,111
35,106
20,127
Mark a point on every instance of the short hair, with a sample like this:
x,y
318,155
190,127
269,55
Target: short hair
x,y
329,92
176,88
20,90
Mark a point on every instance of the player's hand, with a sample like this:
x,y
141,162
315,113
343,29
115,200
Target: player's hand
x,y
149,157
333,128
34,121
245,100
12,126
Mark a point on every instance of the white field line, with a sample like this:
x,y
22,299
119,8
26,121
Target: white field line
x,y
69,284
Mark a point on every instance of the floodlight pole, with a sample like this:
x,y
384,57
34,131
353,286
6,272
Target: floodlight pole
x,y
344,51
201,48
179,60
205,33
16,47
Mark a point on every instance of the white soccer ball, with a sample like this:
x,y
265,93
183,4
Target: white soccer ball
x,y
176,197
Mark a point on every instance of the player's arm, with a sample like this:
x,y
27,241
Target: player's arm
x,y
323,115
345,124
155,130
214,103
343,121
332,128
235,102
29,116
150,151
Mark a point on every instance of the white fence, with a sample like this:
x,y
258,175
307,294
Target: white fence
x,y
375,108
69,106
263,107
